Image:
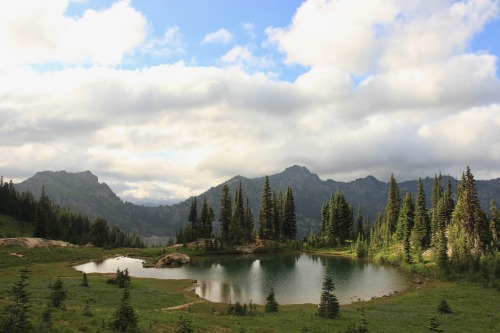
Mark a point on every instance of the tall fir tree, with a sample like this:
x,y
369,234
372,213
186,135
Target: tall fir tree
x,y
494,225
193,218
329,306
405,224
238,217
16,314
421,229
441,242
266,211
290,217
226,212
393,205
249,221
125,318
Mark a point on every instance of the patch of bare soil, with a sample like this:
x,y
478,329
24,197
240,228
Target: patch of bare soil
x,y
30,242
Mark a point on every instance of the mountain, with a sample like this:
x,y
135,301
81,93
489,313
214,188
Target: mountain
x,y
83,192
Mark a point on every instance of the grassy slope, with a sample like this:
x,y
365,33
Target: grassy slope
x,y
11,227
474,309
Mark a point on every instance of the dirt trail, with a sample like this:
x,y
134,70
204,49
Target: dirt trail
x,y
182,306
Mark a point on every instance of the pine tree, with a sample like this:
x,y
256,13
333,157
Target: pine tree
x,y
16,314
125,319
226,212
405,224
58,294
421,229
265,213
359,223
329,305
444,307
290,217
434,324
468,215
193,218
495,225
275,232
85,282
271,304
393,205
406,218
238,218
441,243
249,221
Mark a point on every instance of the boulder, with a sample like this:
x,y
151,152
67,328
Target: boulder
x,y
173,260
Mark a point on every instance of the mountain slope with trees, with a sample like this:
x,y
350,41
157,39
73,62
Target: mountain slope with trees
x,y
83,192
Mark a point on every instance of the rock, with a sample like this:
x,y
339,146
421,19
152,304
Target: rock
x,y
417,281
173,260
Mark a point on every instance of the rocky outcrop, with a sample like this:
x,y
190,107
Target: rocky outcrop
x,y
173,260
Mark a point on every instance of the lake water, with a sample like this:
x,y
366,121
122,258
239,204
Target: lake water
x,y
296,279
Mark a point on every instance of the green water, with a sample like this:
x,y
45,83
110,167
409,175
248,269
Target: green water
x,y
296,279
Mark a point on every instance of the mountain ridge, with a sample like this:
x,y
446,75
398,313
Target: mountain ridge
x,y
82,192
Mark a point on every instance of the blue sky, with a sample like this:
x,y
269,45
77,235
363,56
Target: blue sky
x,y
164,99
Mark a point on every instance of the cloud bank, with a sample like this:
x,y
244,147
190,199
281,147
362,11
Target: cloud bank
x,y
389,86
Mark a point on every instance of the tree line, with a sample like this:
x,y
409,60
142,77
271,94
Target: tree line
x,y
277,218
455,230
50,221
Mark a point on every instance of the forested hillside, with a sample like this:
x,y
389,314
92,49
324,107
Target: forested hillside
x,y
83,192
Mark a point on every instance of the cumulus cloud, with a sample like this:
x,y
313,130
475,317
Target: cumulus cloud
x,y
220,36
390,86
34,32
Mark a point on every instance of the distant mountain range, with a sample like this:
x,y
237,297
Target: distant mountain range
x,y
82,192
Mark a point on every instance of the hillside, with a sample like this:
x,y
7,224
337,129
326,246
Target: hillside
x,y
83,192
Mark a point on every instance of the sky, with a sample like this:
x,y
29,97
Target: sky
x,y
163,99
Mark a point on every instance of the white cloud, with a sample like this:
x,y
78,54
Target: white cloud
x,y
37,32
391,86
220,36
170,42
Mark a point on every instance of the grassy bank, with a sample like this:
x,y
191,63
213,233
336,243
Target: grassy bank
x,y
475,309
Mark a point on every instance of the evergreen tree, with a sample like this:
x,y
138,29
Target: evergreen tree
x,y
359,223
193,218
99,232
211,221
275,232
444,307
85,281
393,205
238,218
266,211
449,204
271,304
329,305
405,224
341,219
495,225
325,217
16,314
226,212
441,243
58,294
421,229
290,217
124,319
205,227
468,215
185,325
249,221
434,324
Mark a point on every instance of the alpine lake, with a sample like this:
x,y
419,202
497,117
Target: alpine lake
x,y
296,279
